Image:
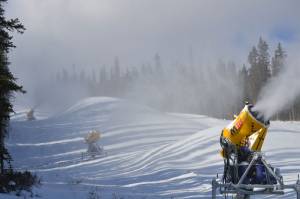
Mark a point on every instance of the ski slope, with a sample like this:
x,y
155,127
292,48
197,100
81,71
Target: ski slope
x,y
150,154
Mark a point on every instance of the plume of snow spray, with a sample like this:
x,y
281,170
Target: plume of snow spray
x,y
280,92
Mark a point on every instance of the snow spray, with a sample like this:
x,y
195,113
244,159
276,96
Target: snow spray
x,y
280,92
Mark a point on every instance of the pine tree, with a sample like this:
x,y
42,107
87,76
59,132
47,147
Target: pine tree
x,y
117,70
253,75
157,63
8,83
259,73
263,61
278,60
277,66
103,75
244,82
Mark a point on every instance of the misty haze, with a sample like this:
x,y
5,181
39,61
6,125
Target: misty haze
x,y
149,99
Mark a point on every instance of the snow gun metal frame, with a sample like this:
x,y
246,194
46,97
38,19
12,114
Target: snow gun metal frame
x,y
246,171
244,191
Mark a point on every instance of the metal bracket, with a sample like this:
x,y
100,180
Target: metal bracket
x,y
229,188
248,189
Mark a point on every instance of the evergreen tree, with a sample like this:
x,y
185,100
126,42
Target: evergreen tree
x,y
157,62
278,60
263,61
259,60
103,76
277,66
117,70
253,74
8,83
8,86
244,82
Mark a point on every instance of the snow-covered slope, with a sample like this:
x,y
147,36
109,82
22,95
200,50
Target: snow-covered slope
x,y
149,154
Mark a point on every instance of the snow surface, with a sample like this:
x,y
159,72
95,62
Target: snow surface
x,y
150,154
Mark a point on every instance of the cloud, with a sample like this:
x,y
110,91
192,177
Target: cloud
x,y
91,33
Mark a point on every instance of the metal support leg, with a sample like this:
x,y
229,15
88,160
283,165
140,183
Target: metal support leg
x,y
247,170
246,190
214,189
298,188
271,172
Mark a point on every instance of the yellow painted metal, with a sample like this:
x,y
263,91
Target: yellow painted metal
x,y
92,136
258,141
243,128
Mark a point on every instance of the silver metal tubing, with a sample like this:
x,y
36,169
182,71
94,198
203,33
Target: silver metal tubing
x,y
247,170
242,188
214,184
271,172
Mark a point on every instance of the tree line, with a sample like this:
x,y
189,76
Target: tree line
x,y
217,90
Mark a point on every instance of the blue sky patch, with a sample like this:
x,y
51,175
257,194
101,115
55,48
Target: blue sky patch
x,y
285,34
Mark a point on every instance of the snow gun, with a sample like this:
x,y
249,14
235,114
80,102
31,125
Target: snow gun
x,y
248,129
246,171
30,114
93,148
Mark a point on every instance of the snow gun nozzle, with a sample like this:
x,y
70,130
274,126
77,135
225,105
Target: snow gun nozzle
x,y
258,115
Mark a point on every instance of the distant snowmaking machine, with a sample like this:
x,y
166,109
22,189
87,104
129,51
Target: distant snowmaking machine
x,y
30,115
94,149
246,172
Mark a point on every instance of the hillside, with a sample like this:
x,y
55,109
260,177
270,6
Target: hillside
x,y
150,154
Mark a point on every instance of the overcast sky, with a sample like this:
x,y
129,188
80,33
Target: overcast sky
x,y
91,33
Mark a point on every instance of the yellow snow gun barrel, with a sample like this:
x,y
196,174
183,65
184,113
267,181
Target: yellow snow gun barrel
x,y
248,128
92,136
